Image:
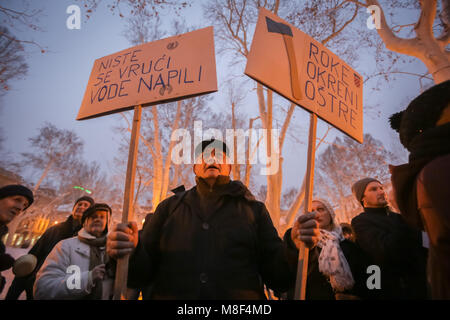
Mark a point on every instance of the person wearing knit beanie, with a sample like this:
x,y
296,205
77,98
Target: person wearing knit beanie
x,y
332,260
359,188
87,251
85,198
421,115
93,209
80,206
389,243
14,199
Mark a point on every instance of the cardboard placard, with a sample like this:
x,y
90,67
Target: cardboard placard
x,y
301,69
170,69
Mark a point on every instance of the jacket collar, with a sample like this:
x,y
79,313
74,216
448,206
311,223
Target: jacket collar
x,y
219,186
223,186
380,211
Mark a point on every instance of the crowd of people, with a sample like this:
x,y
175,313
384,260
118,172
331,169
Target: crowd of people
x,y
216,241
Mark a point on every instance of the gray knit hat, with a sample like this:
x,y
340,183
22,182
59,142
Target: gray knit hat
x,y
330,210
359,187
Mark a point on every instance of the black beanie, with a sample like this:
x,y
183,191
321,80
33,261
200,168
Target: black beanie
x,y
359,187
17,189
94,208
85,198
422,113
214,143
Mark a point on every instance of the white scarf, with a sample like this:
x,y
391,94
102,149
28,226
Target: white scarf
x,y
332,261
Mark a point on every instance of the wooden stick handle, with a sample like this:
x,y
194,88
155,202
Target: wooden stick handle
x,y
303,254
120,284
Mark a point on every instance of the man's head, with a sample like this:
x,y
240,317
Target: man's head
x,y
370,193
14,199
211,159
80,207
95,219
428,110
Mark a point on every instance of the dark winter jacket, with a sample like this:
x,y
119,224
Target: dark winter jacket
x,y
396,249
6,261
41,250
422,195
212,243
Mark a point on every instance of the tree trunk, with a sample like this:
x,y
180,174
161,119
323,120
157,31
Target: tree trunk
x,y
157,161
44,174
236,168
167,165
426,47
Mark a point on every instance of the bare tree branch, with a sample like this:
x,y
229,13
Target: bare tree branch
x,y
392,42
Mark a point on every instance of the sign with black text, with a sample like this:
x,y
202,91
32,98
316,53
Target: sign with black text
x,y
301,69
170,69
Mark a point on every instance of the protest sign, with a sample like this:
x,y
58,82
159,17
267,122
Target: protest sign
x,y
301,69
170,69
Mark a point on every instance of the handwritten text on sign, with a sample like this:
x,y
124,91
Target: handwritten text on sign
x,y
304,71
157,72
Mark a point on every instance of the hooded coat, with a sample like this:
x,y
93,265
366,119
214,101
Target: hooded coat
x,y
212,243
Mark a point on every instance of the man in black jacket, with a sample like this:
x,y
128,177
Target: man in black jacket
x,y
45,244
390,244
214,241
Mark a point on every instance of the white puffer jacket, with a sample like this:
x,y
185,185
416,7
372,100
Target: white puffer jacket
x,y
65,273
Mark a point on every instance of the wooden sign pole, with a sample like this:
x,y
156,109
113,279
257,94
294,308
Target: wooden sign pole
x,y
120,285
302,266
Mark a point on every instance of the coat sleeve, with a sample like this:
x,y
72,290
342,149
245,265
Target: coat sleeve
x,y
433,194
141,271
278,258
59,278
43,247
6,261
385,244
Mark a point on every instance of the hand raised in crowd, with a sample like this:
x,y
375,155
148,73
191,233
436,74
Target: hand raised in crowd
x,y
98,272
122,240
306,230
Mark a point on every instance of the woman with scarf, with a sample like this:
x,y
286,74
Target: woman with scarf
x,y
336,266
78,268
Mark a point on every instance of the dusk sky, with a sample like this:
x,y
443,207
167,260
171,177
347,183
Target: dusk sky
x,y
54,86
